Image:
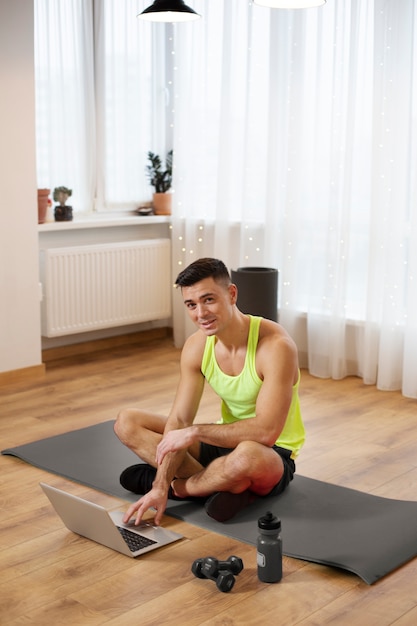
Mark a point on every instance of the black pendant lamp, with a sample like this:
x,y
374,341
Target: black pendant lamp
x,y
169,11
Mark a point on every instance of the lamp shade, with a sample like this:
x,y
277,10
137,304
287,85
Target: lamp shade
x,y
169,11
290,4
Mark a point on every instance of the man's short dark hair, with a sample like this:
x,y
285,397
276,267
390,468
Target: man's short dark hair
x,y
203,268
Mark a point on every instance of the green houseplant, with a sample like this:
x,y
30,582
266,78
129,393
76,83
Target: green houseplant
x,y
160,178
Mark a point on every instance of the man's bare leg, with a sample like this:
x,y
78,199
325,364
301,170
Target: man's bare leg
x,y
235,480
251,466
141,431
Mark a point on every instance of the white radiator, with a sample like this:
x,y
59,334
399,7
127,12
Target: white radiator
x,y
99,286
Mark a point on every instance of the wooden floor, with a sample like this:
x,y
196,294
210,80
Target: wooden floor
x,y
357,436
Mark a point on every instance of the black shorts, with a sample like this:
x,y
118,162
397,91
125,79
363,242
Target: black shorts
x,y
208,453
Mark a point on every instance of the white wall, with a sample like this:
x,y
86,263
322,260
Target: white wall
x,y
20,342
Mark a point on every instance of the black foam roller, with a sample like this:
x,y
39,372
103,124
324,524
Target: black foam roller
x,y
257,291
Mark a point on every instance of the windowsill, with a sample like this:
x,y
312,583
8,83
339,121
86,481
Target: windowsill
x,y
104,221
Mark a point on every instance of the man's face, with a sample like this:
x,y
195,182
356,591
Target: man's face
x,y
210,304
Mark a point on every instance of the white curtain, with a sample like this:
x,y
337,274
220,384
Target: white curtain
x,y
131,102
295,136
101,100
65,124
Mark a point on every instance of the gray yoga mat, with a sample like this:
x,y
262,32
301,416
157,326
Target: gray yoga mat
x,y
323,523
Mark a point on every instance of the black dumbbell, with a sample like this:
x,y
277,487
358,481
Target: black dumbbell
x,y
196,568
234,564
224,579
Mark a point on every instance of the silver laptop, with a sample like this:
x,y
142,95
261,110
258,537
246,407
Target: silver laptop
x,y
106,527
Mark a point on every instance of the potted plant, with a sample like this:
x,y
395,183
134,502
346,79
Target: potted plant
x,y
63,213
160,178
43,197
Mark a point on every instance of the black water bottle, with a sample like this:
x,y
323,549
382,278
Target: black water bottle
x,y
269,545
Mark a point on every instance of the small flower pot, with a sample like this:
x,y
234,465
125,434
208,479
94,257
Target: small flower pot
x,y
162,203
43,195
63,213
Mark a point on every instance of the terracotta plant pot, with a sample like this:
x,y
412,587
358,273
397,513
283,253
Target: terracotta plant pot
x,y
43,195
162,203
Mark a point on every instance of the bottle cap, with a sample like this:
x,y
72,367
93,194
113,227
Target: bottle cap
x,y
269,522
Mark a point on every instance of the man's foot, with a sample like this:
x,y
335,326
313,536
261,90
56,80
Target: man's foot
x,y
224,505
139,479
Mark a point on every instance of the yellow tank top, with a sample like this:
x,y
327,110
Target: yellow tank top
x,y
239,393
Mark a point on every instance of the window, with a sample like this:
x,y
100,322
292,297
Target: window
x,y
100,100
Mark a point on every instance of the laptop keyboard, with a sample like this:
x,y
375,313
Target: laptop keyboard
x,y
134,541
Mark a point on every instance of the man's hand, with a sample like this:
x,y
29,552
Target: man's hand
x,y
154,499
174,441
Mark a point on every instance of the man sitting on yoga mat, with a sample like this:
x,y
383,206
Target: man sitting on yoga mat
x,y
252,364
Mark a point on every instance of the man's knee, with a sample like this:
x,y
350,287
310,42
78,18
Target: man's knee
x,y
263,467
130,421
241,461
248,453
124,424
